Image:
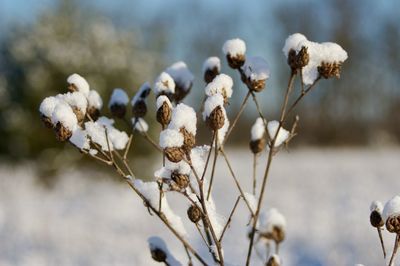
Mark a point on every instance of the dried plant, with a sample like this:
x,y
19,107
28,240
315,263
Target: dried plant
x,y
75,117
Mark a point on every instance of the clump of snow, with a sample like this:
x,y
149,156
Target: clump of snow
x,y
251,200
283,134
151,192
276,258
142,93
376,206
211,103
156,243
75,99
181,167
118,96
48,105
221,84
63,113
80,83
216,219
183,116
94,100
170,138
223,130
211,63
181,75
258,129
79,139
392,207
270,219
140,125
256,68
163,99
327,52
164,84
234,47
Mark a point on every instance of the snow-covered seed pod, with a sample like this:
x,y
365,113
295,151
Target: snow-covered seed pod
x,y
62,132
216,119
78,83
172,142
139,106
78,103
46,109
164,110
211,68
272,225
139,109
330,70
95,103
194,214
234,51
118,101
174,154
274,260
375,217
164,85
255,73
391,213
258,141
183,79
65,121
297,61
189,140
181,180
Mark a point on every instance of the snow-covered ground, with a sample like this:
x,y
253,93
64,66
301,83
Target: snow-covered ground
x,y
324,194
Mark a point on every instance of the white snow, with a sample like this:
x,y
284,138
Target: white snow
x,y
161,99
283,134
276,258
256,68
164,84
151,192
221,84
376,206
183,116
48,105
211,103
163,172
217,220
258,129
251,199
156,242
79,139
234,47
270,219
140,124
392,207
75,99
318,52
63,113
170,138
94,100
142,93
181,167
181,74
223,130
118,96
211,63
80,83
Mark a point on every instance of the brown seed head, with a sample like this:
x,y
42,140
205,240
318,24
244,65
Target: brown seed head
x,y
158,255
330,70
180,179
297,61
257,146
376,219
272,261
188,140
256,85
139,109
174,154
46,121
236,61
181,92
194,214
80,116
72,88
164,114
93,112
118,110
393,224
216,119
210,74
62,133
277,234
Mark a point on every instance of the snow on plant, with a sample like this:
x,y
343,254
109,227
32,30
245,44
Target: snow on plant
x,y
76,116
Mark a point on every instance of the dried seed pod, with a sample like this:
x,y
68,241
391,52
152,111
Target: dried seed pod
x,y
72,87
188,140
236,61
164,114
256,85
62,133
216,119
46,121
273,261
180,179
158,255
80,116
376,219
181,92
210,74
297,61
118,110
393,224
174,154
139,109
329,70
257,146
194,214
93,112
277,234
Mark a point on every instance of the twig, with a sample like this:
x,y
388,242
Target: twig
x,y
229,219
128,146
214,164
382,243
208,156
258,106
395,248
254,173
303,93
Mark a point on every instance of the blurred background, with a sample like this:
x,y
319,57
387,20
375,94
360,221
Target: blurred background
x,y
125,43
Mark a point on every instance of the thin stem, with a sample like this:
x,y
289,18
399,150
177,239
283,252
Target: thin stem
x,y
303,93
128,146
236,119
208,156
254,173
236,180
214,164
229,219
189,257
257,106
395,248
382,243
202,236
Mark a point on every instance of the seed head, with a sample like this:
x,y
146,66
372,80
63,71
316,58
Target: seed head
x,y
188,140
257,146
62,132
330,70
194,214
118,110
164,114
180,179
93,112
376,219
216,119
393,224
46,121
139,109
174,154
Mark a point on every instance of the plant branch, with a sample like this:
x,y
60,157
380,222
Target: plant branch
x,y
229,219
214,164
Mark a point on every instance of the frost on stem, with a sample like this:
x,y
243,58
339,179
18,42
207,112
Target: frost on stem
x,y
183,79
95,103
282,136
78,83
211,68
235,50
221,84
164,85
255,73
139,107
323,59
257,141
160,253
118,101
164,110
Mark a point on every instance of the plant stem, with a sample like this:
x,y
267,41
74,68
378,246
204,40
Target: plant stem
x,y
395,248
214,164
381,240
229,219
254,173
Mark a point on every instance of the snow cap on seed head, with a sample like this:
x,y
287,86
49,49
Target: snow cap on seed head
x,y
119,97
164,84
283,134
392,207
78,83
94,100
221,84
48,105
142,93
64,115
211,103
234,47
170,138
183,116
258,129
181,75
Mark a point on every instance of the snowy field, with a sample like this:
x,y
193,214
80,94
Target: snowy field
x,y
324,194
